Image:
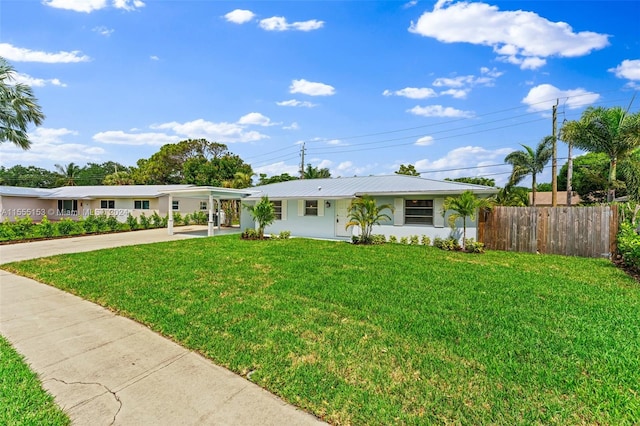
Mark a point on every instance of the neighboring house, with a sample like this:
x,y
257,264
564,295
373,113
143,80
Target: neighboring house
x,y
543,199
319,208
80,201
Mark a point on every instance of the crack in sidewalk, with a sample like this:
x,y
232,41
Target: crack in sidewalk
x,y
115,396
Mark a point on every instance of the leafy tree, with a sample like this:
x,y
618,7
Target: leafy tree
x,y
316,173
118,178
514,196
530,162
630,170
589,177
94,173
68,175
364,213
613,131
284,177
464,206
242,180
18,108
409,170
263,213
544,187
474,181
30,177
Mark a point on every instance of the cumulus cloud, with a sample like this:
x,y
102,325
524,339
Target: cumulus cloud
x,y
462,158
279,23
310,88
239,16
88,6
37,82
154,58
412,93
103,31
544,96
220,132
518,37
628,69
118,137
48,144
256,119
439,111
424,141
20,54
296,103
278,169
292,126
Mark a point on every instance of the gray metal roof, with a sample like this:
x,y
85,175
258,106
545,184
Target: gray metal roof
x,y
18,191
104,191
373,185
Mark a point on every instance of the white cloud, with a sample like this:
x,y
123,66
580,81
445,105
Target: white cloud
x,y
37,82
412,93
278,169
544,96
424,141
461,159
439,111
239,16
410,4
628,69
456,93
519,37
296,103
19,54
103,31
292,126
279,23
154,58
88,6
256,119
48,144
310,88
219,132
118,137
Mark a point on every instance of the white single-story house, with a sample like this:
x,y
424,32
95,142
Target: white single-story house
x,y
81,201
319,208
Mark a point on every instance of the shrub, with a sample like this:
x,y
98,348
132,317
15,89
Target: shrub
x,y
404,240
414,240
284,235
378,239
471,246
426,241
47,229
68,226
101,223
250,234
89,224
6,231
450,243
132,222
186,220
177,219
629,245
113,224
393,239
199,218
145,222
23,228
156,220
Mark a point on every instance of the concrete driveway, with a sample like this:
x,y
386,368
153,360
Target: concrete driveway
x,y
103,369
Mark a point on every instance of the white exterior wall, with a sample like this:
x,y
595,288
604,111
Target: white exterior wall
x,y
12,208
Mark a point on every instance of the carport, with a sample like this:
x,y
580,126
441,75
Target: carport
x,y
209,193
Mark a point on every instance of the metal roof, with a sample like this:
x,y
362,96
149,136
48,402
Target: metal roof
x,y
373,185
105,191
203,192
18,191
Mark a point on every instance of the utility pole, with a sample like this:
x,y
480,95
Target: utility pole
x,y
554,159
569,174
302,161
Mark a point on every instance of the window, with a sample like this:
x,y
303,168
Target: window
x,y
418,212
141,204
175,205
67,206
203,205
311,207
277,208
107,204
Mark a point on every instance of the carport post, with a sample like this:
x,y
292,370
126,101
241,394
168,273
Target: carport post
x,y
210,229
219,207
170,221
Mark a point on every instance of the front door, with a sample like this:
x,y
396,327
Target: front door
x,y
342,217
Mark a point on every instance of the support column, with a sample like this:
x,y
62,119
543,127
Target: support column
x,y
170,221
210,228
219,207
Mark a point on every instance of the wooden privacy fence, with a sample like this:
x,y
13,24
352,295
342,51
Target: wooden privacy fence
x,y
572,231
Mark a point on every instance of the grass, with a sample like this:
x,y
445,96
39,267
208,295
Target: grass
x,y
22,399
386,334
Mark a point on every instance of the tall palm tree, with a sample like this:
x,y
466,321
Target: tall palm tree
x,y
464,206
613,131
316,173
18,108
364,212
68,174
530,162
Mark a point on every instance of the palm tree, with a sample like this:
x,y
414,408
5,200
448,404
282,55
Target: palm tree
x,y
364,212
530,162
612,131
242,180
262,212
464,206
514,196
18,108
68,174
316,173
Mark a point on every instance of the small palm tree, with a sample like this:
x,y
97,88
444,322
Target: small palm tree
x,y
530,162
464,206
68,174
263,213
18,108
364,212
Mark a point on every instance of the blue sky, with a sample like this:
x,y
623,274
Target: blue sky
x,y
451,87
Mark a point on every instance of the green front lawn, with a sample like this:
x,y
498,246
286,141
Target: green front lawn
x,y
386,334
22,399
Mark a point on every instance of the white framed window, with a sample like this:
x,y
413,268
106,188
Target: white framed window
x,y
277,208
203,205
67,206
175,205
418,212
311,207
141,204
107,204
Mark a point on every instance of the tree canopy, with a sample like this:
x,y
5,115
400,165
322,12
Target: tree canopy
x,y
316,173
409,170
474,180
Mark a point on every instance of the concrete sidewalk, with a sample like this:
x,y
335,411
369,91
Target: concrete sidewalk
x,y
104,369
